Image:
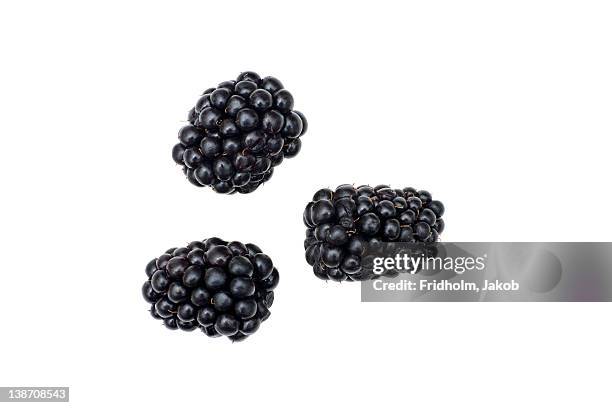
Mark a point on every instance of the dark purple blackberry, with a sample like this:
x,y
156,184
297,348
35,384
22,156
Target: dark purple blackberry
x,y
238,132
222,288
341,223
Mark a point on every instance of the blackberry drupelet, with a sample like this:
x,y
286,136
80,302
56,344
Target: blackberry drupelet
x,y
341,223
222,288
238,132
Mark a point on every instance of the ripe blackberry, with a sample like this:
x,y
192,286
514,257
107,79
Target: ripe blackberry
x,y
238,132
341,223
222,288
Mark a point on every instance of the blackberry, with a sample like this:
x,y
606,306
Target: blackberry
x,y
341,223
238,133
222,288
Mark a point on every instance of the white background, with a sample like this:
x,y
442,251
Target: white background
x,y
500,109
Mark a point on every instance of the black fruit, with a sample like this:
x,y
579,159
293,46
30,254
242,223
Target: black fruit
x,y
222,288
341,223
238,132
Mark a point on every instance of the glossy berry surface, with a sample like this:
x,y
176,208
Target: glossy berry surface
x,y
222,288
341,223
238,133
